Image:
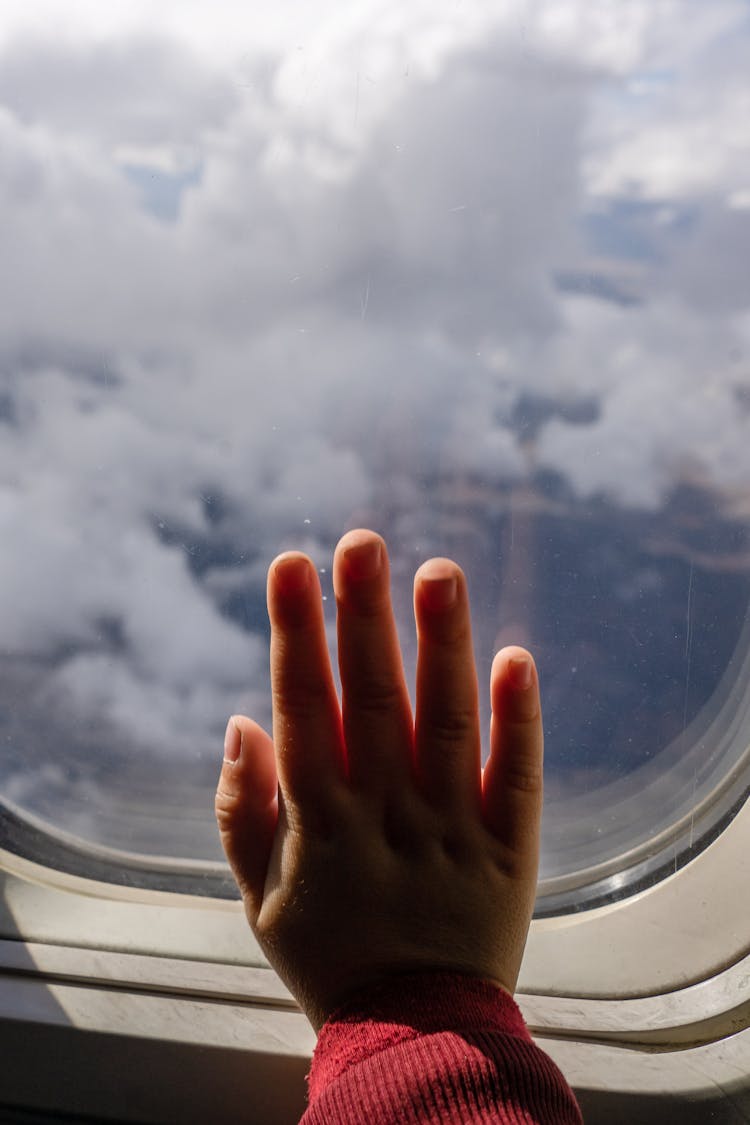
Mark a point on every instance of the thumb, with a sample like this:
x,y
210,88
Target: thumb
x,y
247,807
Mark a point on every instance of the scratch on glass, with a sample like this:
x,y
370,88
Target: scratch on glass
x,y
688,644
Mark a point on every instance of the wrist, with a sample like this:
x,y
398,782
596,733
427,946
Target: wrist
x,y
407,1006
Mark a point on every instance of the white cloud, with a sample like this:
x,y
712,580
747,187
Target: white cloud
x,y
356,290
680,129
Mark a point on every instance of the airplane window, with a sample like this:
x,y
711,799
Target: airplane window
x,y
472,274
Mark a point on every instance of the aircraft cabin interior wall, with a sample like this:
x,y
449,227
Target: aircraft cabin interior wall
x,y
474,275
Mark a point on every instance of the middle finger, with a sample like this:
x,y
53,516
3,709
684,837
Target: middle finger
x,y
376,712
448,741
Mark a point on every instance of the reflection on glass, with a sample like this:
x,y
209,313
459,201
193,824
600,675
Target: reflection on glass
x,y
454,273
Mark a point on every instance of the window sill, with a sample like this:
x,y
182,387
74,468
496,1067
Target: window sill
x,y
682,931
186,1042
144,1006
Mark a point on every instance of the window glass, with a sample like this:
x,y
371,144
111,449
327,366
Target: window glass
x,y
472,274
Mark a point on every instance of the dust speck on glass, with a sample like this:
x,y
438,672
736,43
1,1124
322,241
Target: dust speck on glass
x,y
473,275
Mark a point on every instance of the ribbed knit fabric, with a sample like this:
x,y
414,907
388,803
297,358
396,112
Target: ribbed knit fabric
x,y
434,1047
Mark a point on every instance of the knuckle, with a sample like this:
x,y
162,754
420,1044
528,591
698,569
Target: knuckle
x,y
404,827
299,699
458,847
375,695
225,809
512,865
453,727
367,602
526,778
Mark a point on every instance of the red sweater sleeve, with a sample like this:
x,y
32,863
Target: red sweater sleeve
x,y
434,1047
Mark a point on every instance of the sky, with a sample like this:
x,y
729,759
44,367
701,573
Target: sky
x,y
273,272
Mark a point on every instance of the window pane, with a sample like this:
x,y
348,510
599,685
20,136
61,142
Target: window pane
x,y
474,275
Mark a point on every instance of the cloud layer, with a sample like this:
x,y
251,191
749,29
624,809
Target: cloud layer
x,y
260,288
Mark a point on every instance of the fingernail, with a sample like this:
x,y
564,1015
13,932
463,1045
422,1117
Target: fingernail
x,y
519,669
440,593
364,560
232,742
292,575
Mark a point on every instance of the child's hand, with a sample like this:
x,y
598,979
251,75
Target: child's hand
x,y
364,842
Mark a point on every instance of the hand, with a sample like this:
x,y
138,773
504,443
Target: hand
x,y
365,843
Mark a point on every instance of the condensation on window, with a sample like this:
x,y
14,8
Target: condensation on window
x,y
473,275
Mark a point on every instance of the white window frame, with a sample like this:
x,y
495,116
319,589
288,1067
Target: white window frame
x,y
644,999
